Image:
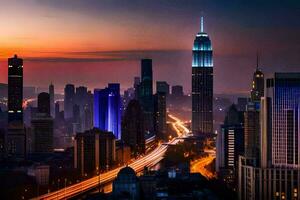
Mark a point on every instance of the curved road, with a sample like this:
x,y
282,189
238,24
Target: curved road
x,y
138,165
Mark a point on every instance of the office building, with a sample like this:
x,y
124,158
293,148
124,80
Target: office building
x,y
76,122
252,130
44,103
177,91
57,110
146,94
42,129
242,103
69,101
277,175
279,121
52,100
230,145
202,84
136,84
129,94
16,137
15,90
163,87
133,127
257,90
93,150
160,115
107,109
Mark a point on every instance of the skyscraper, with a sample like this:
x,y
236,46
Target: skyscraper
x,y
202,84
15,90
44,103
277,175
69,101
160,115
257,90
230,144
163,86
42,128
107,109
133,127
252,130
177,90
52,103
94,149
16,137
280,120
146,94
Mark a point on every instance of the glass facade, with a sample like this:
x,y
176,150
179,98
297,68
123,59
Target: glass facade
x,y
202,85
202,51
107,109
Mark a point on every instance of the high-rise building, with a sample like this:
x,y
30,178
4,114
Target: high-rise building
x,y
15,90
242,103
16,137
177,91
107,109
257,90
133,127
44,103
87,118
69,101
230,145
163,86
57,110
94,150
202,84
146,94
160,115
81,97
252,130
42,128
136,84
52,103
277,175
76,119
129,94
280,121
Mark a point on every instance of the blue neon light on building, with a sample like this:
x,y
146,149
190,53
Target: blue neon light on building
x,y
202,50
107,109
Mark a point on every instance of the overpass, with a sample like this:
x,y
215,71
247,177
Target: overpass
x,y
138,165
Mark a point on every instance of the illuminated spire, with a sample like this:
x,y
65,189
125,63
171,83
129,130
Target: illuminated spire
x,y
202,25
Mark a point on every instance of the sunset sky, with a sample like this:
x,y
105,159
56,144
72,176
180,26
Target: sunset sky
x,y
93,42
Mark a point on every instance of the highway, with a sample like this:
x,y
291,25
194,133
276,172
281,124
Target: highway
x,y
198,166
138,165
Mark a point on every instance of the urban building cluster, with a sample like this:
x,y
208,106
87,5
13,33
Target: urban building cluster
x,y
95,131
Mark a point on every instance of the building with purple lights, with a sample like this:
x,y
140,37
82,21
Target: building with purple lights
x,y
107,109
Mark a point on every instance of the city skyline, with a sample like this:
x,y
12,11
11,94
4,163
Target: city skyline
x,y
126,99
113,41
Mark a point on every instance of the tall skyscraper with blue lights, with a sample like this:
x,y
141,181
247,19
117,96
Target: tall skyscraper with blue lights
x,y
277,175
202,84
280,121
107,109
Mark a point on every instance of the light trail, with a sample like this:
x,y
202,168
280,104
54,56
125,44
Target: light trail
x,y
198,166
138,165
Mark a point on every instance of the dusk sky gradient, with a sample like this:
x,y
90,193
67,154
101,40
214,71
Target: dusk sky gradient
x,y
93,42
